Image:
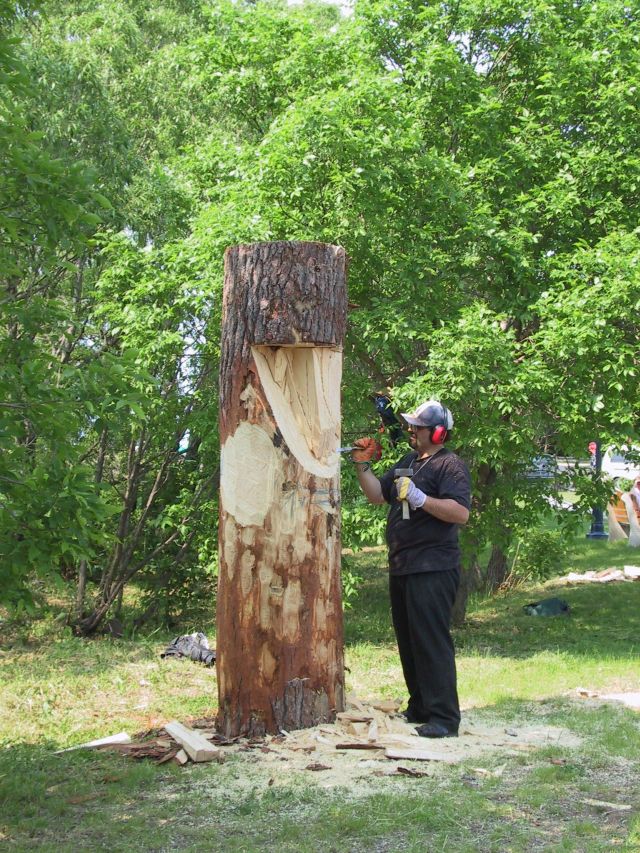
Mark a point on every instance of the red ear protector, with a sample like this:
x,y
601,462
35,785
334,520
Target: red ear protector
x,y
439,433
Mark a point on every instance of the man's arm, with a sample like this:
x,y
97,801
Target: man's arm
x,y
369,483
364,450
446,509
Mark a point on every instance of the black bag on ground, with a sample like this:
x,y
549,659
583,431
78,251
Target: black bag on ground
x,y
193,646
548,607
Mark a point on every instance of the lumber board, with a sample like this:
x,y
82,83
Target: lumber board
x,y
194,744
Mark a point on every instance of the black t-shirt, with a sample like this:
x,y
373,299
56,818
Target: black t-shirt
x,y
423,543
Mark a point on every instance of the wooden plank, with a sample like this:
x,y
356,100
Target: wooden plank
x,y
195,745
359,745
419,755
121,737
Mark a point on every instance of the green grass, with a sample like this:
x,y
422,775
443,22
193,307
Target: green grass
x,y
56,690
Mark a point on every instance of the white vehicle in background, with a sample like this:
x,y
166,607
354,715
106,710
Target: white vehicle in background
x,y
615,464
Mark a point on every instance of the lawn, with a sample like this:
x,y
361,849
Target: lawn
x,y
514,669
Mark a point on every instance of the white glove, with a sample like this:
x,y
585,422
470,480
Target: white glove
x,y
408,491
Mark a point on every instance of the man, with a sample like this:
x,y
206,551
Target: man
x,y
424,560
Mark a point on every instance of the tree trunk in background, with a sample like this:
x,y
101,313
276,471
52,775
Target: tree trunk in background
x,y
467,586
279,611
497,569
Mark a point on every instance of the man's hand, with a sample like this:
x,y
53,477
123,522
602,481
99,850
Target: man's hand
x,y
366,450
408,491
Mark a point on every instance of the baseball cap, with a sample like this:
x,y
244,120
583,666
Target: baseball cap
x,y
431,413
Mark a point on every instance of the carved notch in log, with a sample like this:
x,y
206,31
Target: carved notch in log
x,y
279,612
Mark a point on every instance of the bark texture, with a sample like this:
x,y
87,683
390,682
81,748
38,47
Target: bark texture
x,y
279,637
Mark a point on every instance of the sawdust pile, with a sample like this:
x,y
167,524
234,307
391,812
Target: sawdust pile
x,y
372,738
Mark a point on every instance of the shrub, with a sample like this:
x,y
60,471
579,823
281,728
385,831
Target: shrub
x,y
539,554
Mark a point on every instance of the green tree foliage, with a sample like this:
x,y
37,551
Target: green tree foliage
x,y
477,161
49,508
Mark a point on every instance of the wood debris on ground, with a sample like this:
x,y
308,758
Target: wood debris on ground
x,y
369,738
175,742
626,573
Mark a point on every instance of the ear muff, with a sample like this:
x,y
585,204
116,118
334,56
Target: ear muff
x,y
439,434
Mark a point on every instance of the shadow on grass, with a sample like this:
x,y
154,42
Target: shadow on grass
x,y
81,797
78,657
604,621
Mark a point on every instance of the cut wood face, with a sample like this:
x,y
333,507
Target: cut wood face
x,y
302,386
634,526
616,532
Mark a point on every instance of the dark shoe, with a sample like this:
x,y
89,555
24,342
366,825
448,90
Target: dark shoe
x,y
435,730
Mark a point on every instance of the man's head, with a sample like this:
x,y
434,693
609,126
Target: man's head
x,y
433,416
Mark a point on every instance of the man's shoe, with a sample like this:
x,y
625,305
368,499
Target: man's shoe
x,y
435,730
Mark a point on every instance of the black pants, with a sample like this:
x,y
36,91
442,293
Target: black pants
x,y
421,607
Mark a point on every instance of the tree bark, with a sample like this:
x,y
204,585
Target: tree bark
x,y
279,635
497,569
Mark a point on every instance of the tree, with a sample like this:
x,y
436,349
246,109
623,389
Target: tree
x,y
280,656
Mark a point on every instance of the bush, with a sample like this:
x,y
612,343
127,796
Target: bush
x,y
539,554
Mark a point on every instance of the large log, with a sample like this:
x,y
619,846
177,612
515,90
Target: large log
x,y
279,612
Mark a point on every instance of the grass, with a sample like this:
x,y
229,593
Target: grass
x,y
56,690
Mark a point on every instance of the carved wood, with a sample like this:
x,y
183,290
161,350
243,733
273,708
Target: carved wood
x,y
279,612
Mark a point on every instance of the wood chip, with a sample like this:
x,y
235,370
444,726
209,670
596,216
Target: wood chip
x,y
350,717
408,771
197,747
359,745
181,757
419,755
616,807
388,706
317,767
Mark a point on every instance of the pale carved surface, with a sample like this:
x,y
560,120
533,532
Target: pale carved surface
x,y
634,526
302,386
616,533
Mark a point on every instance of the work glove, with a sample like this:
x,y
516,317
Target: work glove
x,y
366,450
408,491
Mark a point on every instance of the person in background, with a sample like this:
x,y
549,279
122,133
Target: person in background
x,y
635,494
424,560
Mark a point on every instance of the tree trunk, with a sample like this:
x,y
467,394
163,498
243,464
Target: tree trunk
x,y
497,569
279,612
468,584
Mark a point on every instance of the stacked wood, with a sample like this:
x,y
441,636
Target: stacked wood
x,y
279,612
